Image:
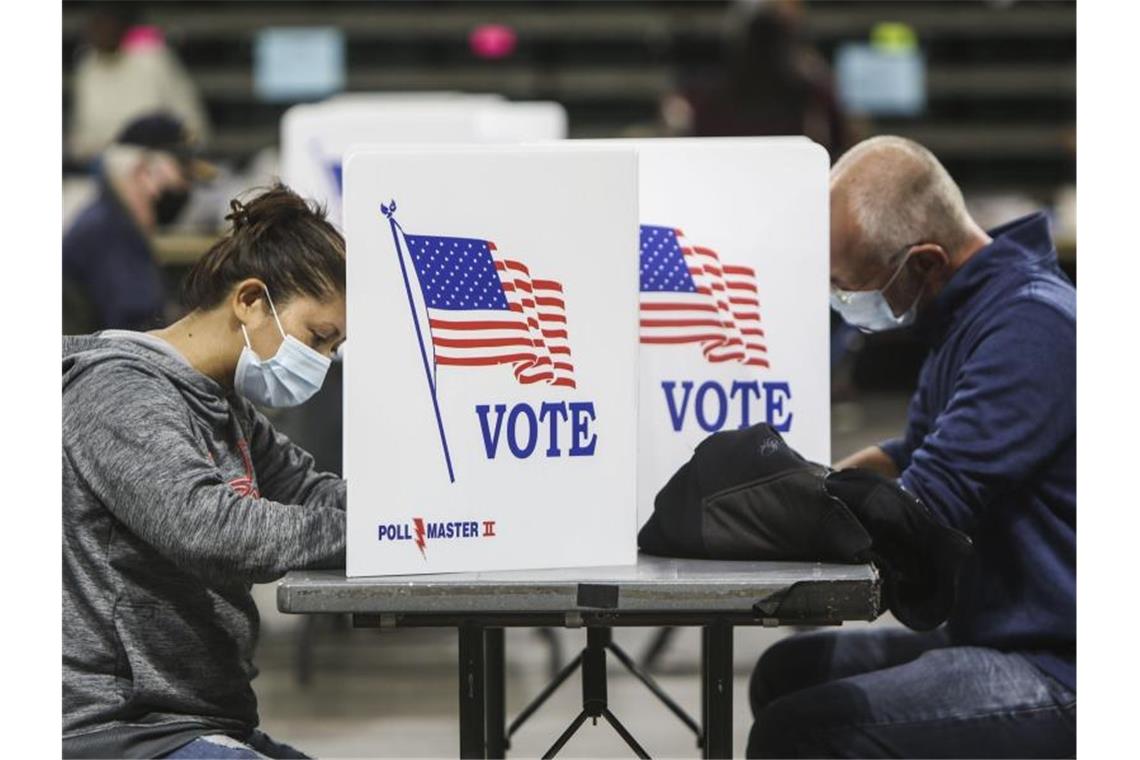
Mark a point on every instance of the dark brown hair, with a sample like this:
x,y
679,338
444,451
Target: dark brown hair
x,y
279,238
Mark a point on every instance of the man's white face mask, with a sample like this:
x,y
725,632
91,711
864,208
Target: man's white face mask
x,y
869,310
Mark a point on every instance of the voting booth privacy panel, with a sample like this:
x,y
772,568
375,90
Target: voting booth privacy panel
x,y
733,282
315,137
491,398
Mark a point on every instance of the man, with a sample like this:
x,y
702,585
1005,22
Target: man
x,y
110,277
990,448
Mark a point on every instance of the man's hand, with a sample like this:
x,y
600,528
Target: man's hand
x,y
871,458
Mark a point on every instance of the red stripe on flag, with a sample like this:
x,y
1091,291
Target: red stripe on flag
x,y
736,269
446,324
677,307
482,361
481,342
682,323
742,286
680,338
549,301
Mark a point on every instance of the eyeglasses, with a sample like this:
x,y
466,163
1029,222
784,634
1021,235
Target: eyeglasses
x,y
844,296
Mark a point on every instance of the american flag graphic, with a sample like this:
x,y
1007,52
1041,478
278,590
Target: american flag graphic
x,y
689,296
484,309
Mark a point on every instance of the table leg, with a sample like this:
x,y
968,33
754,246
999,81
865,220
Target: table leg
x,y
704,692
716,689
472,695
496,694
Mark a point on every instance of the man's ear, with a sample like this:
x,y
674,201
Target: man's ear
x,y
145,177
928,258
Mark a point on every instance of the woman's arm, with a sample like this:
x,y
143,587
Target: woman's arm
x,y
131,440
285,471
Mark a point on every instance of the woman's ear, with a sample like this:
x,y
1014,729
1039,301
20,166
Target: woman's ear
x,y
249,303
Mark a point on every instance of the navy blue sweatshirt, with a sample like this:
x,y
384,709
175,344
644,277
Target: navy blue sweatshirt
x,y
108,258
991,443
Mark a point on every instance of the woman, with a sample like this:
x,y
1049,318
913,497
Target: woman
x,y
178,494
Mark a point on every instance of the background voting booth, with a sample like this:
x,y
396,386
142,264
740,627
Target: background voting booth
x,y
315,137
491,402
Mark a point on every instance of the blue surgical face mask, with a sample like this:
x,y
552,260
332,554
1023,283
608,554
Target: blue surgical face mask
x,y
288,378
869,310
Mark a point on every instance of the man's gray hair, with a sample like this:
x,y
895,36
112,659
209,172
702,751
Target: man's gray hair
x,y
899,195
120,160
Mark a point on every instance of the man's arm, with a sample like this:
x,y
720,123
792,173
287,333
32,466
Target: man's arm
x,y
1012,407
870,458
890,458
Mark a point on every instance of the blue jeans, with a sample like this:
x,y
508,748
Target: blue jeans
x,y
897,693
222,747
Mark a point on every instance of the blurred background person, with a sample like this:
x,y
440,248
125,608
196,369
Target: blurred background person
x,y
769,82
123,71
111,279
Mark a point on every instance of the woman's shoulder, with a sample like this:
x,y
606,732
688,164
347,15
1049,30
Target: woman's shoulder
x,y
104,379
93,358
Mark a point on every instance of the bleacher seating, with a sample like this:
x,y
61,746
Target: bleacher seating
x,y
1002,75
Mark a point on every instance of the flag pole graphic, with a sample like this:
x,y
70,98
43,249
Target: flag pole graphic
x,y
388,212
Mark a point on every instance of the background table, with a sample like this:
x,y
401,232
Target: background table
x,y
715,595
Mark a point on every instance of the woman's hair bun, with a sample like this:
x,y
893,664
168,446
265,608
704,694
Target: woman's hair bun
x,y
256,215
277,237
239,215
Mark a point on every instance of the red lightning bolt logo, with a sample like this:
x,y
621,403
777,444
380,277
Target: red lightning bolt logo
x,y
420,534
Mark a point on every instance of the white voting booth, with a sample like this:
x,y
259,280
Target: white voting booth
x,y
491,393
734,307
315,137
733,281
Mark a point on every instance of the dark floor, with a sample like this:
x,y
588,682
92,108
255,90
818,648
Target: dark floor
x,y
394,693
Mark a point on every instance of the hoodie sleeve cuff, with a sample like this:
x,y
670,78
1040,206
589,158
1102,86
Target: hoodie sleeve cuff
x,y
895,448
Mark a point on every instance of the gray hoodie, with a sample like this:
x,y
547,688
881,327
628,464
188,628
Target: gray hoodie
x,y
177,496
